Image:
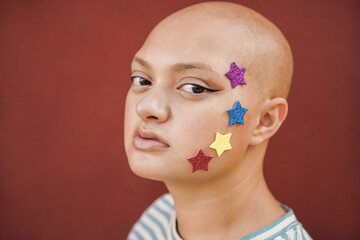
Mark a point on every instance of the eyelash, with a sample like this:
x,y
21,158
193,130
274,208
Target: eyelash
x,y
143,81
133,79
198,86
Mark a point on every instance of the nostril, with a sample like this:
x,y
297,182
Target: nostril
x,y
152,117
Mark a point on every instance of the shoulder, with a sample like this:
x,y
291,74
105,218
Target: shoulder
x,y
286,228
156,221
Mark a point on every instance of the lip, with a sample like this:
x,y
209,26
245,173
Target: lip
x,y
147,140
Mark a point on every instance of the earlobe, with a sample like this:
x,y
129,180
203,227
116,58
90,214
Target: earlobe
x,y
270,121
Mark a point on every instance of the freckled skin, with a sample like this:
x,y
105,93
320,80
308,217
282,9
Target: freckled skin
x,y
191,121
214,35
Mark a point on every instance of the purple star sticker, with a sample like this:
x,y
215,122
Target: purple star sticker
x,y
236,75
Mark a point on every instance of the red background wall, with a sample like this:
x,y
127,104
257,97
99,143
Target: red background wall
x,y
64,71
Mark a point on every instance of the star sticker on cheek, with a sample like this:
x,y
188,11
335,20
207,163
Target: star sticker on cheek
x,y
200,161
237,114
221,143
236,75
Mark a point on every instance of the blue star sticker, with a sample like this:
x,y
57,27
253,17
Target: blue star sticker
x,y
237,114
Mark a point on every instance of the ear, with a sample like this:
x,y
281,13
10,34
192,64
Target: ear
x,y
273,115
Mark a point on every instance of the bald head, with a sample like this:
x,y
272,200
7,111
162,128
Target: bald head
x,y
180,91
231,32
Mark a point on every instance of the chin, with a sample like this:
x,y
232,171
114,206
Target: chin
x,y
145,172
162,166
152,168
169,173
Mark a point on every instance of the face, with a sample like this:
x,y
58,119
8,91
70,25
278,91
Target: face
x,y
178,101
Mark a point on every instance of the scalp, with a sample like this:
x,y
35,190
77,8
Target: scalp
x,y
248,37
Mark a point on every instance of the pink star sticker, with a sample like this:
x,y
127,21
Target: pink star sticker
x,y
236,75
200,161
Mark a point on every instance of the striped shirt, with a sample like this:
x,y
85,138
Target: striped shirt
x,y
158,222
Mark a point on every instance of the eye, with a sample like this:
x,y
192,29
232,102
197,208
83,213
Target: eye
x,y
196,89
139,81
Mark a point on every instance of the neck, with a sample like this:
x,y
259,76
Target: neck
x,y
227,208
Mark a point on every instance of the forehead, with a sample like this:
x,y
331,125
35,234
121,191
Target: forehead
x,y
181,42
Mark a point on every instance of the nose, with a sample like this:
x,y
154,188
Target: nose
x,y
154,106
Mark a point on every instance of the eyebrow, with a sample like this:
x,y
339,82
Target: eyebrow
x,y
141,61
177,67
186,66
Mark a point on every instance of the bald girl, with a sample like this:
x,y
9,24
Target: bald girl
x,y
177,125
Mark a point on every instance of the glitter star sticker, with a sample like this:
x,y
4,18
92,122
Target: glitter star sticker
x,y
221,143
236,75
237,114
200,161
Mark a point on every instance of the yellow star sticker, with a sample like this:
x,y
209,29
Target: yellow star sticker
x,y
221,143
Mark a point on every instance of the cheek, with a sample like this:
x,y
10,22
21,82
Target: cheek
x,y
197,130
129,120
